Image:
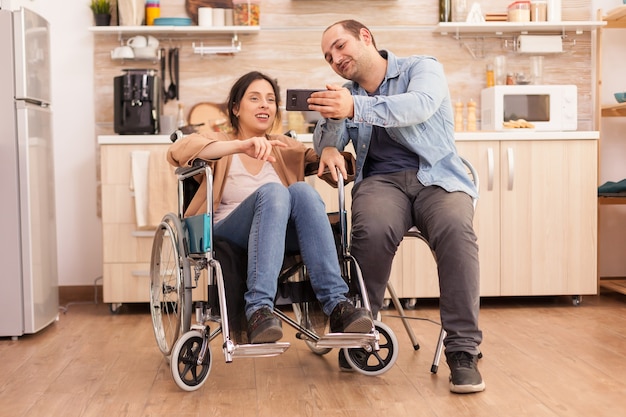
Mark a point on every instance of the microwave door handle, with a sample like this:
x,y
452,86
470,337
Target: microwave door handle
x,y
511,164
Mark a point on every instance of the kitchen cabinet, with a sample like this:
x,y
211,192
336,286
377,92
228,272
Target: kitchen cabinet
x,y
126,248
614,19
536,219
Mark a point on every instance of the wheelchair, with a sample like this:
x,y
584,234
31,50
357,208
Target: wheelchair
x,y
183,249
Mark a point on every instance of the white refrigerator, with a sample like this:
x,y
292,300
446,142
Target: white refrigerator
x,y
29,297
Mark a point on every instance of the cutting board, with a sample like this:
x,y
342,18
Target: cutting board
x,y
212,115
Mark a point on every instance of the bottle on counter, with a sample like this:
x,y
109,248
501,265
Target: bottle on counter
x,y
471,116
458,116
490,76
180,117
509,79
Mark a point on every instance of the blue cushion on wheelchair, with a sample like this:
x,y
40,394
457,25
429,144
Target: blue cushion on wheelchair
x,y
198,231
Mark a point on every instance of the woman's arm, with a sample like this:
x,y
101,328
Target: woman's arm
x,y
184,151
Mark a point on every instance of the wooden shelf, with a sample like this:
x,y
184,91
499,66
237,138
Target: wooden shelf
x,y
176,30
499,28
614,110
611,200
616,18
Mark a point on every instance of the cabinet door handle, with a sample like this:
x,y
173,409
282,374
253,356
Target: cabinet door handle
x,y
490,169
511,162
140,273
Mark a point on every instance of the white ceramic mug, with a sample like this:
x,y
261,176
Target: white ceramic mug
x,y
137,42
152,42
147,52
122,52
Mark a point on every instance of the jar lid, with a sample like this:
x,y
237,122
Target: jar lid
x,y
519,3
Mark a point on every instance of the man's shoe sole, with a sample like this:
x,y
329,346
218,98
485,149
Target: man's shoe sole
x,y
467,389
360,325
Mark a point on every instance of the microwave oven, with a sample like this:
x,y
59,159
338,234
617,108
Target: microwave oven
x,y
547,107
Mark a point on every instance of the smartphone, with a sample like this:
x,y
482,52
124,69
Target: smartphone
x,y
296,99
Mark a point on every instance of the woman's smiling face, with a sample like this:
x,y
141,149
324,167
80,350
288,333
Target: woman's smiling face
x,y
257,109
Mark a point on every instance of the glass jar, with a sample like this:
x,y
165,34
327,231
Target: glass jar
x,y
445,10
246,12
519,11
538,11
459,10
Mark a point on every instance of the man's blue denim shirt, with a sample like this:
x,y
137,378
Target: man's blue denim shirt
x,y
415,108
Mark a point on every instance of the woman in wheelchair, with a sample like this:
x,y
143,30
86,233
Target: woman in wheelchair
x,y
262,204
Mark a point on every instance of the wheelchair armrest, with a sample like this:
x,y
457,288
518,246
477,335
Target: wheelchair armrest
x,y
197,167
350,169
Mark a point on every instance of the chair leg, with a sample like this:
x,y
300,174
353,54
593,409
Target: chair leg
x,y
405,320
435,366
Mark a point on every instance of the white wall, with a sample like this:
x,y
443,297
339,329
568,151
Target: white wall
x,y
78,226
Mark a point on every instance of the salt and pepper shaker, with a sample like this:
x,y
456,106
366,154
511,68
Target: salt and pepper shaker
x,y
458,116
471,116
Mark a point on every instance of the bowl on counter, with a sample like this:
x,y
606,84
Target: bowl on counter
x,y
620,97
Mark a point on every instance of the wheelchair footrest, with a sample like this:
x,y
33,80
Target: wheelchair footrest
x,y
346,340
258,350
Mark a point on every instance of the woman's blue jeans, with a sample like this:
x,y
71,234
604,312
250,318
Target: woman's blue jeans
x,y
275,219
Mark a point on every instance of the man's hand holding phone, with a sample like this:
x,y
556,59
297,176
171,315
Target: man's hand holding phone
x,y
335,102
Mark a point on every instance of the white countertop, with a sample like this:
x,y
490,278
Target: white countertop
x,y
512,134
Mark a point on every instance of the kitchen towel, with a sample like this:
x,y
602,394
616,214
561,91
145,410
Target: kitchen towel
x,y
162,188
140,161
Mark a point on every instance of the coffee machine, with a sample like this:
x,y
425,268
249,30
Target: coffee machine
x,y
137,106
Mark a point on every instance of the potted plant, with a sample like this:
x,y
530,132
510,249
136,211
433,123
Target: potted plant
x,y
101,11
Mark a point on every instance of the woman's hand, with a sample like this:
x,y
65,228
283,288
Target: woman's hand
x,y
260,148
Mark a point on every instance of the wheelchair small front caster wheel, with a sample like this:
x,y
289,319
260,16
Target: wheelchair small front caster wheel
x,y
187,373
370,362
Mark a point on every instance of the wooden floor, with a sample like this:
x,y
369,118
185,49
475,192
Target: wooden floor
x,y
542,357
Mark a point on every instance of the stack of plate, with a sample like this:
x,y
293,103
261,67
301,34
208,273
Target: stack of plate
x,y
172,21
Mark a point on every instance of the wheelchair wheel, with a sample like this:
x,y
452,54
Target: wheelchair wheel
x,y
187,373
311,317
170,279
375,363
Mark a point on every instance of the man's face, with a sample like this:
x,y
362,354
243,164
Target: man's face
x,y
342,51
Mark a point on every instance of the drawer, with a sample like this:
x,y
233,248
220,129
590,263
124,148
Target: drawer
x,y
130,283
118,204
115,161
126,282
124,243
